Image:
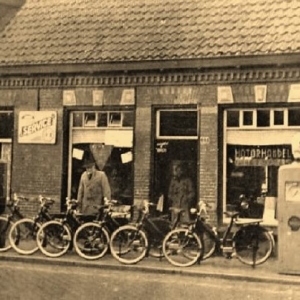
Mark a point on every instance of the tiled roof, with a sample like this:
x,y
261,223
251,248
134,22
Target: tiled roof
x,y
87,31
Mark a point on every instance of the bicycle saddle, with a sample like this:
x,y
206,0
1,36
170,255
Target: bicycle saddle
x,y
244,221
176,210
231,214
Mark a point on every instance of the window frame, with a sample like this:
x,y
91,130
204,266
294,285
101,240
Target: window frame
x,y
94,123
174,137
254,123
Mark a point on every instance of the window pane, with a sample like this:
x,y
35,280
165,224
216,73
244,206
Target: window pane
x,y
77,119
90,119
263,118
294,117
278,117
178,123
128,119
115,119
247,118
6,125
102,120
233,118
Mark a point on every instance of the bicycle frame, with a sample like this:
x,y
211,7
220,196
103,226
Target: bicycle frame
x,y
224,244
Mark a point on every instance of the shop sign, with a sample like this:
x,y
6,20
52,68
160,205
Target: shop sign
x,y
161,147
262,155
37,127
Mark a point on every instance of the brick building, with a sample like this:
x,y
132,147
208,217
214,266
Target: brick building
x,y
141,84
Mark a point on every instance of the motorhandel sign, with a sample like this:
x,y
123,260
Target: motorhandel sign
x,y
37,127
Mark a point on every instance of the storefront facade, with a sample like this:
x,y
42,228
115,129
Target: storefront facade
x,y
147,87
230,140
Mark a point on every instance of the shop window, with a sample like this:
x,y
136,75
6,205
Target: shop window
x,y
294,117
96,134
6,124
253,171
233,118
247,118
116,162
179,123
263,118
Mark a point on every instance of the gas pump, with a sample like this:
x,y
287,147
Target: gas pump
x,y
288,212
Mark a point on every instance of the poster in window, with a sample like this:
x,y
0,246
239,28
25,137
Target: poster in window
x,y
37,127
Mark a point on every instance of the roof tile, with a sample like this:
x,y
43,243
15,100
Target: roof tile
x,y
67,31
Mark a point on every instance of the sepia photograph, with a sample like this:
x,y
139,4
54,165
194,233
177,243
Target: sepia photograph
x,y
149,149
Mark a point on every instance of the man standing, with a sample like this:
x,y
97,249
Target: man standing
x,y
93,189
181,191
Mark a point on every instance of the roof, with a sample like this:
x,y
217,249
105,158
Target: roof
x,y
47,32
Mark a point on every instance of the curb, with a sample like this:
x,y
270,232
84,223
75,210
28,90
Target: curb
x,y
214,272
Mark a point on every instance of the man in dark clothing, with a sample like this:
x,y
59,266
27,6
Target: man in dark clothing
x,y
181,191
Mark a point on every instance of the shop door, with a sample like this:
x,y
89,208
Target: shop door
x,y
175,144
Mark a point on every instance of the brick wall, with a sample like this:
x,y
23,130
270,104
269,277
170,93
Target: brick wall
x,y
37,168
147,97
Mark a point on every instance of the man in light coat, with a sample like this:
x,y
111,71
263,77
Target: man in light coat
x,y
93,189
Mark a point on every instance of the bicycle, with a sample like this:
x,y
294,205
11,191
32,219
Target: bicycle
x,y
22,235
91,240
252,244
7,221
129,244
54,238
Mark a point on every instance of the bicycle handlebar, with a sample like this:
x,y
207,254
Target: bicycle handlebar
x,y
45,201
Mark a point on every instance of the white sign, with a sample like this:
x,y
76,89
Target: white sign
x,y
294,93
225,94
128,97
98,97
37,127
69,97
260,93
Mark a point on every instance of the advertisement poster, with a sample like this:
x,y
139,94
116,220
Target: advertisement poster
x,y
37,127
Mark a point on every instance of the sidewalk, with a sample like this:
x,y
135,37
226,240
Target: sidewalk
x,y
218,267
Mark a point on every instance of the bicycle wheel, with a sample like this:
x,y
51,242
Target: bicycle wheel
x,y
91,241
182,248
54,238
253,245
22,236
156,238
209,245
5,227
128,245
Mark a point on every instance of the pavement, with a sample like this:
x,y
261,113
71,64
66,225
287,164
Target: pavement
x,y
215,267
